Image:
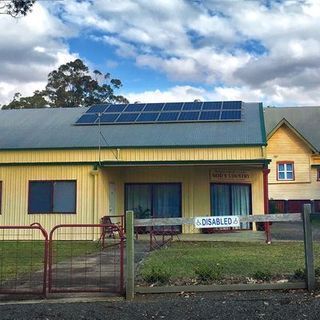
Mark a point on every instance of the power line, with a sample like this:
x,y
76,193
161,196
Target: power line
x,y
104,139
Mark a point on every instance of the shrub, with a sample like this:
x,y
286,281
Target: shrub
x,y
208,272
300,274
262,275
156,274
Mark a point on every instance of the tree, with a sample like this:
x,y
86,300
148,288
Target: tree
x,y
36,101
16,8
72,85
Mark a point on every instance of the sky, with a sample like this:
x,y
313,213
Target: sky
x,y
171,50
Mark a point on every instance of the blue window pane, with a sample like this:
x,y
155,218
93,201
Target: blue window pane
x,y
236,105
280,167
116,108
289,175
64,196
281,176
231,115
127,117
184,116
289,167
215,105
192,106
40,197
87,119
136,107
168,116
177,106
99,108
210,115
108,117
154,107
146,117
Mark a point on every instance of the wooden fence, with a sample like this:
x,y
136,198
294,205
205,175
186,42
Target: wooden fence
x,y
305,217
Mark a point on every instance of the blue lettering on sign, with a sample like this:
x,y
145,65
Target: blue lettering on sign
x,y
215,222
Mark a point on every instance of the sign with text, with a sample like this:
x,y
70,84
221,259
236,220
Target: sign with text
x,y
217,222
234,175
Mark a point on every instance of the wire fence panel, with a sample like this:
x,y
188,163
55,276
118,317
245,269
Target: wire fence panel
x,y
170,261
86,258
23,259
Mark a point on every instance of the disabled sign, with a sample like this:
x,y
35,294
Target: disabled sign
x,y
217,222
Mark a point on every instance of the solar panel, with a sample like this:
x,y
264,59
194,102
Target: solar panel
x,y
173,106
236,105
99,108
153,107
127,117
210,115
184,116
168,116
116,108
231,115
147,117
215,105
162,112
192,106
134,107
87,119
108,117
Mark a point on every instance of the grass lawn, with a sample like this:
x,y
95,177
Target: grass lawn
x,y
22,257
239,260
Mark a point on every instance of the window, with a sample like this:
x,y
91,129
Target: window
x,y
231,199
285,171
155,200
52,197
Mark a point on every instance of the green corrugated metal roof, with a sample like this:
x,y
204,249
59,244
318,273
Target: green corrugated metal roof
x,y
54,128
305,120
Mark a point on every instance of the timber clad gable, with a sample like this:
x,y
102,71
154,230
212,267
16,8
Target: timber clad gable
x,y
292,138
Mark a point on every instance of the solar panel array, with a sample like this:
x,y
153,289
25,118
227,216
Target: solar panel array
x,y
162,112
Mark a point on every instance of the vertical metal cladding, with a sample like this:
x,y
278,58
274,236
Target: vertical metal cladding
x,y
15,181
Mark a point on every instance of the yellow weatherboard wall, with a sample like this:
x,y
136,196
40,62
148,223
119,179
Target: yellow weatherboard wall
x,y
131,154
195,181
17,168
285,145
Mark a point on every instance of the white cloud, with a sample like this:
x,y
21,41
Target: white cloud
x,y
175,94
210,43
33,47
207,42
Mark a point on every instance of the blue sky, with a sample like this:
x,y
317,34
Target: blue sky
x,y
172,50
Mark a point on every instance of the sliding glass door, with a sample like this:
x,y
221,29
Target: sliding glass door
x,y
157,200
231,199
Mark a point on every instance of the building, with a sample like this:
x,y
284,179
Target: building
x,y
293,146
162,160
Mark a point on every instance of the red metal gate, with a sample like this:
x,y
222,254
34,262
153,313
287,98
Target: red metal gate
x,y
23,259
86,258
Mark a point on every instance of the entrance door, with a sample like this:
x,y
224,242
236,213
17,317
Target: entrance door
x,y
112,199
231,199
157,200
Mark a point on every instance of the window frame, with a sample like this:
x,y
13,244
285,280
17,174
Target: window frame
x,y
318,174
52,204
285,163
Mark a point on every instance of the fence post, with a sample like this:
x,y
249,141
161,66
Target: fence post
x,y
129,255
308,247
